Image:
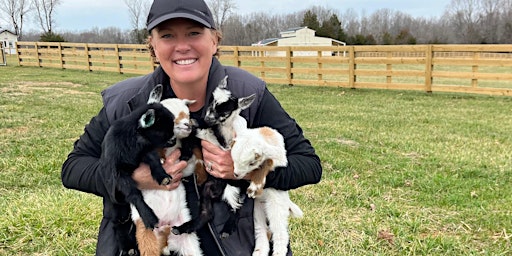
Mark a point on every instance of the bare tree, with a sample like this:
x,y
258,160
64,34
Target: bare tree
x,y
15,11
45,10
138,10
506,22
221,9
464,15
350,21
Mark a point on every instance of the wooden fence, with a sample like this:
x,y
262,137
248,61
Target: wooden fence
x,y
484,69
122,58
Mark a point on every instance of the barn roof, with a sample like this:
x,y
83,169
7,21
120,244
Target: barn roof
x,y
292,29
267,41
5,30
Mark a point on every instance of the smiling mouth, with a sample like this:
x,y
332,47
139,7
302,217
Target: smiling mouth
x,y
185,62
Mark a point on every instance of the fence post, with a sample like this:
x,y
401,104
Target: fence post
x,y
351,67
61,59
474,69
319,66
289,65
119,65
262,65
37,54
18,53
429,54
87,58
237,63
389,68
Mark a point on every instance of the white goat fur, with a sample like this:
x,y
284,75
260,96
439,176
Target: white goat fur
x,y
171,206
229,128
262,150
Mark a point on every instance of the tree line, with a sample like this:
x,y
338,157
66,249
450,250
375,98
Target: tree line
x,y
463,22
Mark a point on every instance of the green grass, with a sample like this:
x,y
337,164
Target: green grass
x,y
405,173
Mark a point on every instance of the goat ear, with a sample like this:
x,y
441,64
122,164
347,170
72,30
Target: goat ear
x,y
189,102
257,155
194,122
245,102
156,94
232,143
147,119
224,83
269,163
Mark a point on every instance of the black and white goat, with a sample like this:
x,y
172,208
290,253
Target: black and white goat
x,y
171,206
259,151
129,141
223,120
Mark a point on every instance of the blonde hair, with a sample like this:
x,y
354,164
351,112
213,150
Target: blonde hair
x,y
214,32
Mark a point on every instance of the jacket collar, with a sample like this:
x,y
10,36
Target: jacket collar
x,y
151,80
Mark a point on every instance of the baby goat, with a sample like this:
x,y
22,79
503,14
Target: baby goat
x,y
130,140
223,120
259,151
171,206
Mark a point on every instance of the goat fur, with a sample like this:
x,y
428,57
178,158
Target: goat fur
x,y
130,140
259,151
223,120
170,205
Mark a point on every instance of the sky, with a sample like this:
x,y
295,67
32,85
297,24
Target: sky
x,y
79,15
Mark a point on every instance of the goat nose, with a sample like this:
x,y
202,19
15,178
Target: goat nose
x,y
236,175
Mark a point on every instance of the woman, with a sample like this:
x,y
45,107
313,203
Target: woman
x,y
183,39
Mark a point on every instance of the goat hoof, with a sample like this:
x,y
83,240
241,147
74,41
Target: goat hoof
x,y
166,181
175,231
251,193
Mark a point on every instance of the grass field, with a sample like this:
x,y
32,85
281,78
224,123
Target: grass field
x,y
405,173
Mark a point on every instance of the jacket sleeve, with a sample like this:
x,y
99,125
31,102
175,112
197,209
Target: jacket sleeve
x,y
304,165
81,170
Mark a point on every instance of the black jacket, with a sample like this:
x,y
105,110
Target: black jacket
x,y
80,171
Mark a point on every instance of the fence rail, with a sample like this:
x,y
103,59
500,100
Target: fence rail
x,y
483,69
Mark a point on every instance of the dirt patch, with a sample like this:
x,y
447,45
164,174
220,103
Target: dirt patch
x,y
47,84
28,87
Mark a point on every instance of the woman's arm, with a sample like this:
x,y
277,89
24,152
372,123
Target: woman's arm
x,y
81,171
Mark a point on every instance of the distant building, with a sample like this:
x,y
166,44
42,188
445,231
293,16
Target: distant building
x,y
300,36
8,40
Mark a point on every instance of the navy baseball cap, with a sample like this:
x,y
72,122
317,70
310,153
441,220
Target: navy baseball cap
x,y
162,10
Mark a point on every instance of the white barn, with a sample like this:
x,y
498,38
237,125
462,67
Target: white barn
x,y
300,36
8,40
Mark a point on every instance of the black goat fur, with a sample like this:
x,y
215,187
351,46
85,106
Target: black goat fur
x,y
211,192
131,140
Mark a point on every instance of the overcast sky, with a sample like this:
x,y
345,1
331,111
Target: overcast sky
x,y
77,15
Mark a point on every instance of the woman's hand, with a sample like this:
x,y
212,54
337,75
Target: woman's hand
x,y
173,167
218,162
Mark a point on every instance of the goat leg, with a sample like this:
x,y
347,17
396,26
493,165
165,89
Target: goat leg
x,y
212,190
157,171
128,188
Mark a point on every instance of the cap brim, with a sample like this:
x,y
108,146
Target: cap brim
x,y
169,16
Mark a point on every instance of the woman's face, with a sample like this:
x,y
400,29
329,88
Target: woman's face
x,y
184,49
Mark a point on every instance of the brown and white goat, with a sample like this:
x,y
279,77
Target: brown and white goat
x,y
259,151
